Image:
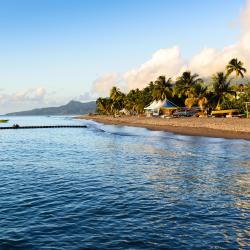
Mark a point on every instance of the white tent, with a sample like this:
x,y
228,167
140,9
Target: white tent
x,y
151,105
159,104
155,105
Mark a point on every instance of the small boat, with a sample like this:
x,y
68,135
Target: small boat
x,y
3,121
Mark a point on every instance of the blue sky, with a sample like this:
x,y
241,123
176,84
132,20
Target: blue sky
x,y
63,46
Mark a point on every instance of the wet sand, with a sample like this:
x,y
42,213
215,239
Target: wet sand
x,y
230,128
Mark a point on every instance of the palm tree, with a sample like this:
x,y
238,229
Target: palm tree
x,y
103,105
135,101
198,95
115,93
236,66
190,101
221,88
185,83
147,94
162,89
200,91
117,98
130,101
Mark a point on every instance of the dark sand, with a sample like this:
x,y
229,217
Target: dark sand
x,y
230,128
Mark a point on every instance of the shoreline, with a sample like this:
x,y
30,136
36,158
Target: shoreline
x,y
228,128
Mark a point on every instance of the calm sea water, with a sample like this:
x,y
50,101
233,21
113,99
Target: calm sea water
x,y
108,187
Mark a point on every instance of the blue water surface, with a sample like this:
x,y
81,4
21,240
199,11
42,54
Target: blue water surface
x,y
114,187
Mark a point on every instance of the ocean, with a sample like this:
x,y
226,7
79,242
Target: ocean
x,y
118,187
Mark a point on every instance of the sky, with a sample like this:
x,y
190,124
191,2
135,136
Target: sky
x,y
53,51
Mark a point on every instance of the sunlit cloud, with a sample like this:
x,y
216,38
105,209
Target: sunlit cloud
x,y
102,85
164,61
25,99
169,62
34,95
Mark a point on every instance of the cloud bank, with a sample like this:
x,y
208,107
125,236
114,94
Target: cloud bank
x,y
169,62
22,100
165,61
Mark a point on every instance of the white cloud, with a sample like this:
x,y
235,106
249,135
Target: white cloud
x,y
169,62
40,92
24,99
163,62
33,95
103,84
87,96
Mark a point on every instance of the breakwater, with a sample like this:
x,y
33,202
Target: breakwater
x,y
39,127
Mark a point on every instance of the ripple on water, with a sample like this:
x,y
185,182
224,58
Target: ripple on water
x,y
109,187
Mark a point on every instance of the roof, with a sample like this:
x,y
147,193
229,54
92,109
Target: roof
x,y
161,104
169,105
155,105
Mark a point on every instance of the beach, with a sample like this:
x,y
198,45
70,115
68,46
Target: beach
x,y
230,128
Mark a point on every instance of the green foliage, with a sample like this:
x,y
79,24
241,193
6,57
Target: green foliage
x,y
103,106
117,100
235,66
244,96
162,89
222,91
188,89
185,84
137,100
229,104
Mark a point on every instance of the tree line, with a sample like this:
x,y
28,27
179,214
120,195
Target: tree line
x,y
188,90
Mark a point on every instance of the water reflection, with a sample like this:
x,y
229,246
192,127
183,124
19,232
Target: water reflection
x,y
120,188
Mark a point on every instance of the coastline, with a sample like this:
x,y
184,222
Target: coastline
x,y
228,128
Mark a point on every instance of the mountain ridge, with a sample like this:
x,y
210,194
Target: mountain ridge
x,y
71,108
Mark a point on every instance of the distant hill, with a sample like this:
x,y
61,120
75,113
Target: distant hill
x,y
72,108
